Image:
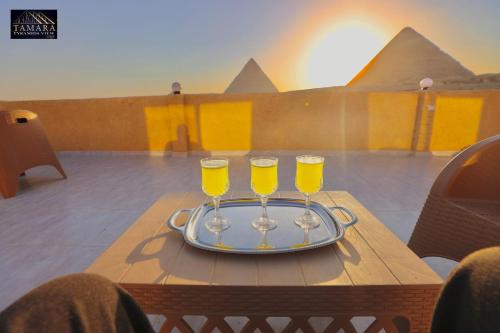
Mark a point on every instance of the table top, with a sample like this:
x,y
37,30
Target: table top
x,y
369,255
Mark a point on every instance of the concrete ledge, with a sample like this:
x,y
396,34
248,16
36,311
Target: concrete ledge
x,y
113,153
253,153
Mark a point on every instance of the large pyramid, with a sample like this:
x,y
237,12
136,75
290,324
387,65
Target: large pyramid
x,y
405,60
251,79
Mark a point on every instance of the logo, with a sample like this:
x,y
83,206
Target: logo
x,y
33,24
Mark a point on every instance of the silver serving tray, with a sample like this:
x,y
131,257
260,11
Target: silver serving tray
x,y
242,238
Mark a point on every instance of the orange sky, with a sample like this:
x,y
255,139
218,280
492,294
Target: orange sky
x,y
387,19
204,44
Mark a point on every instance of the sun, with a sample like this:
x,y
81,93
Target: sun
x,y
338,53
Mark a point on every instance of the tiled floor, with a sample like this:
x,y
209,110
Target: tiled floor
x,y
55,226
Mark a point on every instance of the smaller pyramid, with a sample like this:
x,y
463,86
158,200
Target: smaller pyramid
x,y
405,60
251,79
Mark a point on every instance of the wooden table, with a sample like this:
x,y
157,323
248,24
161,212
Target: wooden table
x,y
369,273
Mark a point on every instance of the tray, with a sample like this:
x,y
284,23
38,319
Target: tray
x,y
242,238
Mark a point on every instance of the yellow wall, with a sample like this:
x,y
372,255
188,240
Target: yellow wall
x,y
456,122
226,126
159,134
317,119
391,120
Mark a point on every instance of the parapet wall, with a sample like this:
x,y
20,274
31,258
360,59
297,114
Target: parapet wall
x,y
317,119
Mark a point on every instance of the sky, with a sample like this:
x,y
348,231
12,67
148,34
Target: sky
x,y
131,48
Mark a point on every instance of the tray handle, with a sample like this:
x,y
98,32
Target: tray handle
x,y
353,218
174,216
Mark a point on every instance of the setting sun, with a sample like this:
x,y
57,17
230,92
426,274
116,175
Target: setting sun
x,y
339,52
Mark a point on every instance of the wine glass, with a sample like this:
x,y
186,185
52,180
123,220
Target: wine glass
x,y
309,180
264,182
215,183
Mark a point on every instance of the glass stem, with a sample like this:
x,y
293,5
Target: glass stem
x,y
264,238
263,199
308,205
216,201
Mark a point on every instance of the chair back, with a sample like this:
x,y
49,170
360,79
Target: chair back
x,y
462,212
473,174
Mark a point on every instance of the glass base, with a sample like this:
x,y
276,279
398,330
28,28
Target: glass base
x,y
264,224
264,247
217,224
307,221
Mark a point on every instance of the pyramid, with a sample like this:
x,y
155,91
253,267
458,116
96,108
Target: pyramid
x,y
251,79
405,60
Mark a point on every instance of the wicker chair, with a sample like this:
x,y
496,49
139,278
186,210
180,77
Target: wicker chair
x,y
462,212
23,145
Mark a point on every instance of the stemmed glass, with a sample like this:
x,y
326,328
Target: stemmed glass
x,y
309,180
264,182
215,183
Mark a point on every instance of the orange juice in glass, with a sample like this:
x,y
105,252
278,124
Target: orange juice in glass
x,y
264,182
215,183
309,180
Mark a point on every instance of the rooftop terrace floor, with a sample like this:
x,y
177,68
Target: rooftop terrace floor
x,y
55,227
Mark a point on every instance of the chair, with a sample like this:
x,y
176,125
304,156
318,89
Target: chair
x,y
23,145
462,212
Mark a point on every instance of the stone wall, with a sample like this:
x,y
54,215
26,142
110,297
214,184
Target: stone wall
x,y
316,119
